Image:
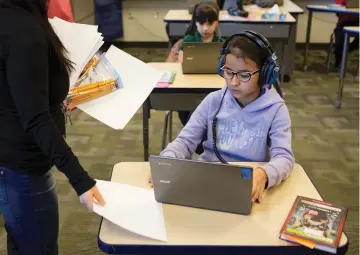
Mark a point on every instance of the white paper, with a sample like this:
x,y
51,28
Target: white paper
x,y
275,9
132,208
251,7
80,40
138,79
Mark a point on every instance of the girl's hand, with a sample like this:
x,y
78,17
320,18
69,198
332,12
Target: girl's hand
x,y
259,182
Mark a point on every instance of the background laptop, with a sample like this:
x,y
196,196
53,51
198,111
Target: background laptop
x,y
201,58
192,3
204,185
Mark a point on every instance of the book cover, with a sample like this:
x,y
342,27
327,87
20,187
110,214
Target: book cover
x,y
167,76
316,221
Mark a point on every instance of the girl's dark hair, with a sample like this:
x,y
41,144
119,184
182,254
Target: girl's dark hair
x,y
244,48
203,12
39,9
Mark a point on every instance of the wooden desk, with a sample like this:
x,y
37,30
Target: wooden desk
x,y
324,8
224,17
185,94
198,231
349,32
321,8
178,21
188,81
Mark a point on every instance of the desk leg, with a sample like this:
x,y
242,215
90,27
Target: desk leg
x,y
170,125
146,115
342,71
308,31
291,49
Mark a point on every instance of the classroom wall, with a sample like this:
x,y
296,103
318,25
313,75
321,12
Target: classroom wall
x,y
143,19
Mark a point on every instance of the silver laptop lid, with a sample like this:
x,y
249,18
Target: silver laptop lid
x,y
204,185
201,58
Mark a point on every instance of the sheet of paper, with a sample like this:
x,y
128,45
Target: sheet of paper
x,y
132,208
138,79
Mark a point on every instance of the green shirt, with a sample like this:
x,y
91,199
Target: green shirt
x,y
196,38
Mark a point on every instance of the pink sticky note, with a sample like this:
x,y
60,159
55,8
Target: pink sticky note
x,y
162,85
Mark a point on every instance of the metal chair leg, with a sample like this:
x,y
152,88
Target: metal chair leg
x,y
166,120
170,126
330,52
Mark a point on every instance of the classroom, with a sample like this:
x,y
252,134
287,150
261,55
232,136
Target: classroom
x,y
288,156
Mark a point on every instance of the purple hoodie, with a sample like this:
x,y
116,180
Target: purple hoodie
x,y
246,134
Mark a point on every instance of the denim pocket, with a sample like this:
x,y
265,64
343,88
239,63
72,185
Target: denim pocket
x,y
3,195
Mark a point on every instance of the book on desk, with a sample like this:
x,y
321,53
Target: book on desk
x,y
314,224
166,79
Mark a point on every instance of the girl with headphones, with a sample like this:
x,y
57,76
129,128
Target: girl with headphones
x,y
245,121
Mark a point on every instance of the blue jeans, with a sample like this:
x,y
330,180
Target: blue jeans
x,y
30,208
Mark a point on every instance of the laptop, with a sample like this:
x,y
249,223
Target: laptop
x,y
205,185
201,58
192,3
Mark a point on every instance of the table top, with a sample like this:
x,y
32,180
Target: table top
x,y
192,81
325,8
354,30
288,6
188,226
184,16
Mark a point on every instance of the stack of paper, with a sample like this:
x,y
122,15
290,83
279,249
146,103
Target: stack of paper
x,y
134,209
138,79
81,41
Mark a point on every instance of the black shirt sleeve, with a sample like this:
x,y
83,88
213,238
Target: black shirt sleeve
x,y
27,75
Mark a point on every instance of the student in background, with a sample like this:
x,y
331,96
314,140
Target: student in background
x,y
245,121
202,28
34,81
344,20
208,12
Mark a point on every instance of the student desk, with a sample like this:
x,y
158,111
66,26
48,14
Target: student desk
x,y
349,32
198,231
178,21
185,94
321,8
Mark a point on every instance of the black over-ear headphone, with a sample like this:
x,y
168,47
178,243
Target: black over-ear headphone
x,y
269,71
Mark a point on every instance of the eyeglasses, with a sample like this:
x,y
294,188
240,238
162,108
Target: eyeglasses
x,y
243,76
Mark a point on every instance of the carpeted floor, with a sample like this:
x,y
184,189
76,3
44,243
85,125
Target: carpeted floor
x,y
325,143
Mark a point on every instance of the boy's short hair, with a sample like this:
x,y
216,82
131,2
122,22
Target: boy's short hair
x,y
244,48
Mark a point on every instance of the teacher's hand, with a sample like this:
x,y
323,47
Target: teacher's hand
x,y
259,182
87,198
